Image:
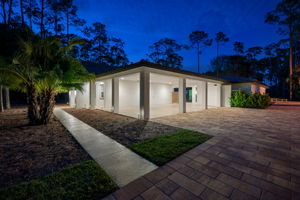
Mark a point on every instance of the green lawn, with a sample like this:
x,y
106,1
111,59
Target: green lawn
x,y
162,149
85,180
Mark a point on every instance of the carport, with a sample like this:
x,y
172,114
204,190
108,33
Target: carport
x,y
146,90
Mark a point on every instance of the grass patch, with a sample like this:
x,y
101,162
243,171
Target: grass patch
x,y
162,149
86,180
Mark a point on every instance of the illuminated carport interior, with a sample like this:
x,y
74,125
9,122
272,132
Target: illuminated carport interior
x,y
213,95
129,95
164,98
195,95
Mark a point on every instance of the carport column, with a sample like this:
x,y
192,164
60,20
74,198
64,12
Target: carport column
x,y
115,95
182,95
204,92
145,95
219,95
92,95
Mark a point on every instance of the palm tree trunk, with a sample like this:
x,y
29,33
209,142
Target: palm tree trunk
x,y
1,100
47,103
7,99
33,106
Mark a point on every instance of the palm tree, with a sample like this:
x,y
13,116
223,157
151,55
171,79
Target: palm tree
x,y
46,67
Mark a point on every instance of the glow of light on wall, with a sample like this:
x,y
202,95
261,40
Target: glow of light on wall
x,y
101,83
122,78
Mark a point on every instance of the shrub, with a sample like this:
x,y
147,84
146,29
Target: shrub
x,y
242,99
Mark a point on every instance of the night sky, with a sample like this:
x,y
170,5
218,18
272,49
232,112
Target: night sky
x,y
140,23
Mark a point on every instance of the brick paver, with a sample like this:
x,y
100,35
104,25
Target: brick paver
x,y
255,154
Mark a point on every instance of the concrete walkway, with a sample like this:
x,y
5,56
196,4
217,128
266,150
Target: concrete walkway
x,y
121,164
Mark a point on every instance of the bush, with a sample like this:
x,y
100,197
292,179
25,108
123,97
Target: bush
x,y
86,180
242,99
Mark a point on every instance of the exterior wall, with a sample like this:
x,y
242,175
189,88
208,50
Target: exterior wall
x,y
249,87
83,97
129,92
246,87
262,90
160,94
226,94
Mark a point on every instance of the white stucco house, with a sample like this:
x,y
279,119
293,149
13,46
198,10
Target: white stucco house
x,y
145,90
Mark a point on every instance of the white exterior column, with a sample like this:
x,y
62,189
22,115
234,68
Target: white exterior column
x,y
226,94
92,95
182,95
115,95
219,95
203,95
145,95
72,98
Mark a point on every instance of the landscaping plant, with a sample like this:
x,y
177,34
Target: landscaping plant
x,y
46,66
243,99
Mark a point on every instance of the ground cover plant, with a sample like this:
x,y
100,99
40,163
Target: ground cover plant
x,y
162,149
86,180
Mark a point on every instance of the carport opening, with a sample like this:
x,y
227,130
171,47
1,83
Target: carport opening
x,y
104,95
129,95
195,92
164,97
213,95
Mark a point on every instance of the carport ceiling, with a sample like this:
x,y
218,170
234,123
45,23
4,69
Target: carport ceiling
x,y
158,78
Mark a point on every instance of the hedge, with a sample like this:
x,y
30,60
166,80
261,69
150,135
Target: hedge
x,y
243,99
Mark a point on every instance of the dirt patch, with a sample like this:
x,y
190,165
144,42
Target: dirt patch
x,y
28,152
125,130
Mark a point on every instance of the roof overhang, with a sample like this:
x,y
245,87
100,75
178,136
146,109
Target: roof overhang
x,y
155,68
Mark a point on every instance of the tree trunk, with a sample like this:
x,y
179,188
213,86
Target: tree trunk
x,y
291,68
3,11
9,12
42,19
33,113
218,64
7,98
67,17
47,103
22,12
198,56
1,100
30,15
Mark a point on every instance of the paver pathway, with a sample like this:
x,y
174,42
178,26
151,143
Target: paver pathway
x,y
255,154
122,165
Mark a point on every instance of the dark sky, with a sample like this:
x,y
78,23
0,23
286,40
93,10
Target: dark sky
x,y
140,23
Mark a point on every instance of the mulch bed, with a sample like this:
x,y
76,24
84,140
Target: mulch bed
x,y
125,130
28,152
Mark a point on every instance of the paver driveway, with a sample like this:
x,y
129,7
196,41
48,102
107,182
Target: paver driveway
x,y
255,154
